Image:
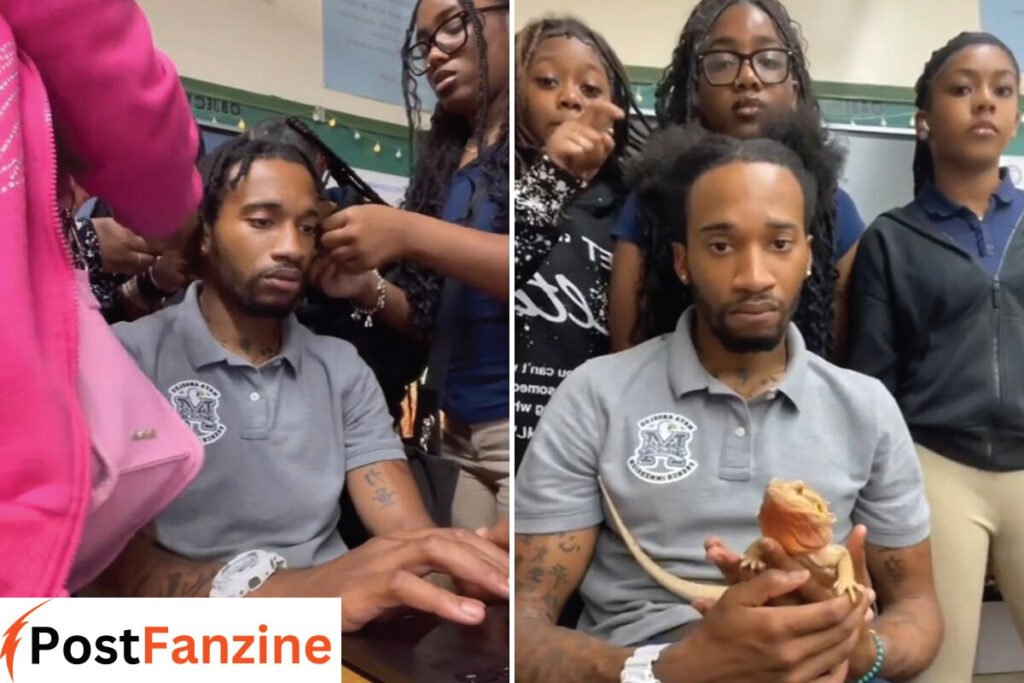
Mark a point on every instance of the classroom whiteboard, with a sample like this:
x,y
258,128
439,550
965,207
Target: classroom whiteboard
x,y
878,167
878,173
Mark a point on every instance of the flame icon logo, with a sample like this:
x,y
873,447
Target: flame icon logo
x,y
11,639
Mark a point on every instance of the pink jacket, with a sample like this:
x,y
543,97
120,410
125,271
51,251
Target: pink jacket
x,y
87,71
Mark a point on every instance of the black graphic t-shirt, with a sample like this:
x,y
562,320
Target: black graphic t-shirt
x,y
562,307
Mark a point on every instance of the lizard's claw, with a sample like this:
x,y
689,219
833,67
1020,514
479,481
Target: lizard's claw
x,y
849,587
754,564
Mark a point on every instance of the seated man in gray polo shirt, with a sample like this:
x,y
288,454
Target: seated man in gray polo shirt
x,y
288,419
686,431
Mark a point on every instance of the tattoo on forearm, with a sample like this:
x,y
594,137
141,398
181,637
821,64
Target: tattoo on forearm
x,y
384,497
895,569
540,556
176,583
545,652
373,477
535,575
912,630
569,544
561,575
551,607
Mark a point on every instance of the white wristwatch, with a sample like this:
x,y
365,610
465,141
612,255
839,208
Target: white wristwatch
x,y
245,573
638,667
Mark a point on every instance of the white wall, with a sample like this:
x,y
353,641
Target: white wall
x,y
271,47
882,42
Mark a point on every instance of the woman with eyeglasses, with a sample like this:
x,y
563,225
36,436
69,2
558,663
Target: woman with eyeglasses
x,y
450,240
736,61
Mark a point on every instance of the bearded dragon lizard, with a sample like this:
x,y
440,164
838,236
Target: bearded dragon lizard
x,y
793,514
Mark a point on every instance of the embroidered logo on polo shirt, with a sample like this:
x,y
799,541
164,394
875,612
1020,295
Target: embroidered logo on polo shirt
x,y
663,455
196,403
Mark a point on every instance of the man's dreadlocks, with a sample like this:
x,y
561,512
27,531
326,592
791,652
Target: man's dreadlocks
x,y
663,298
924,165
436,159
219,181
528,39
678,156
276,128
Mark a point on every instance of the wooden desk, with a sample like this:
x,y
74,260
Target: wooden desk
x,y
350,676
416,647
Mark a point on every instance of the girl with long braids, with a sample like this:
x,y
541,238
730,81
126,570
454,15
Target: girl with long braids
x,y
572,133
937,314
735,61
450,240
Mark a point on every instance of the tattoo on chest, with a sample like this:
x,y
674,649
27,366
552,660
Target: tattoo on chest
x,y
750,387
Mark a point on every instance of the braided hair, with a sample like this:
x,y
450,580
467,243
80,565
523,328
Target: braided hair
x,y
678,156
436,156
662,297
528,39
276,128
924,165
218,181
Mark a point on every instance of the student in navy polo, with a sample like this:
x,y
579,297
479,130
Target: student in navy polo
x,y
735,61
937,314
453,228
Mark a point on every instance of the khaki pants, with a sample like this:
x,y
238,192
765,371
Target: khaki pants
x,y
977,516
481,452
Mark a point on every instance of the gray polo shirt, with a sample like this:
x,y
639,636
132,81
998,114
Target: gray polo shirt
x,y
278,439
685,457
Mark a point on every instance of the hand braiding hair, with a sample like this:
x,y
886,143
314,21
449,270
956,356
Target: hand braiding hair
x,y
435,160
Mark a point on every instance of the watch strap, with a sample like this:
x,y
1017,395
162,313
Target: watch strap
x,y
638,668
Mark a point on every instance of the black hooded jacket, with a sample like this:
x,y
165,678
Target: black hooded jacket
x,y
945,336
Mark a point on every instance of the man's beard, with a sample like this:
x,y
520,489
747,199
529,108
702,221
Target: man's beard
x,y
233,286
733,343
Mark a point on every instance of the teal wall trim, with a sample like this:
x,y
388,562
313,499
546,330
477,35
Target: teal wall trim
x,y
354,138
841,103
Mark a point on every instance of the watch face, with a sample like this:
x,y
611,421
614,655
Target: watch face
x,y
247,561
242,565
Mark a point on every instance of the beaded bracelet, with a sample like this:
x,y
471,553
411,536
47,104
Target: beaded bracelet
x,y
879,659
366,314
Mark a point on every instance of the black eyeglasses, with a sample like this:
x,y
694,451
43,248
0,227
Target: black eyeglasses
x,y
722,67
449,37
